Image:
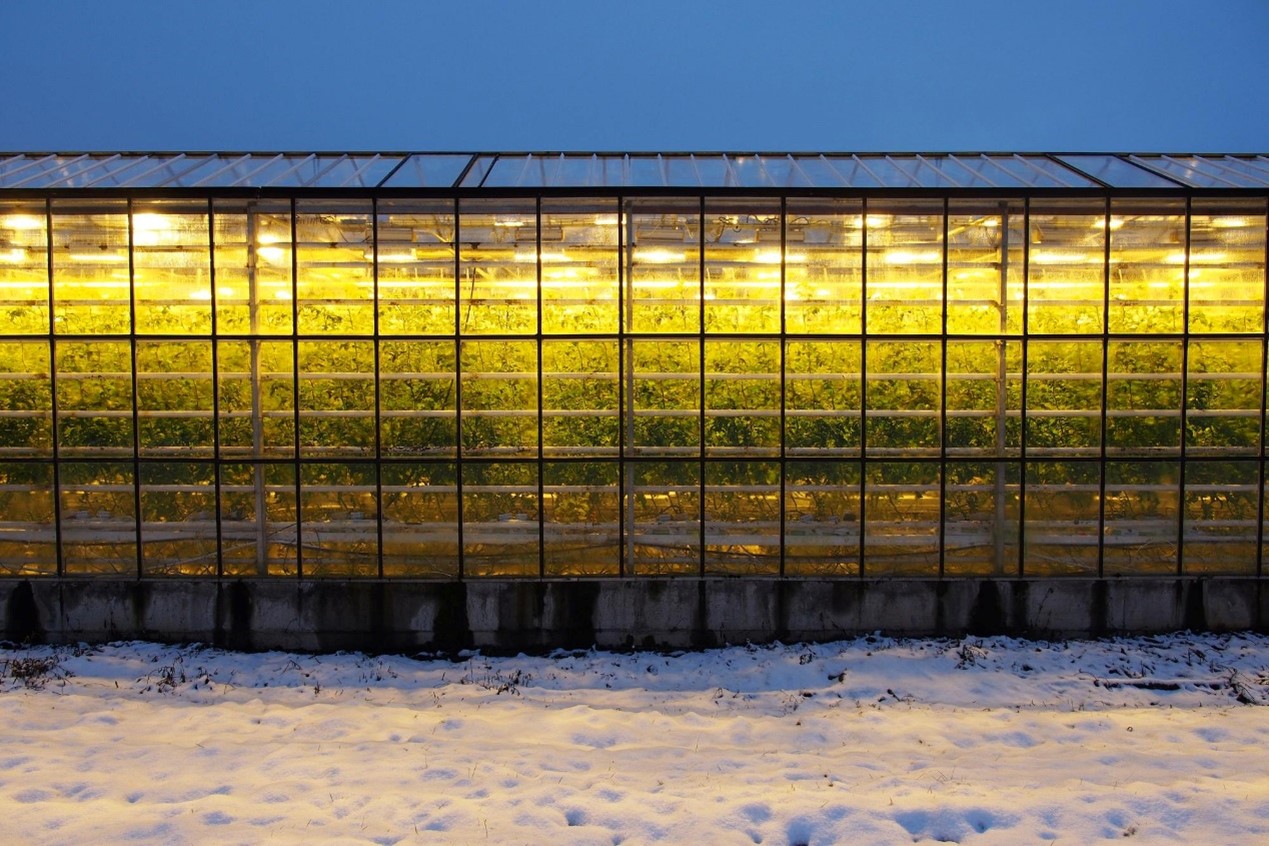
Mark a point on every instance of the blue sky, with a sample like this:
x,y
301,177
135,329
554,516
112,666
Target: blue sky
x,y
1148,75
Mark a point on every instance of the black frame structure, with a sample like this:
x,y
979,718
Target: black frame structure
x,y
559,365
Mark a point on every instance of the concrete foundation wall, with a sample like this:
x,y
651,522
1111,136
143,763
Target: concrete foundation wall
x,y
639,613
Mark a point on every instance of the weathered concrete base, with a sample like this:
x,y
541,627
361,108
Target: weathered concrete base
x,y
630,613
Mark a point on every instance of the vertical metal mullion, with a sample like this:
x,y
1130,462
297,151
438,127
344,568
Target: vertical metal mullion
x,y
863,384
783,459
136,416
1185,389
215,378
1022,400
295,393
541,450
458,386
52,377
943,406
1101,447
1264,390
624,392
378,412
700,383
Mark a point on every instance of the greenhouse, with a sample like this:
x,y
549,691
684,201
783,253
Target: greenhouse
x,y
445,366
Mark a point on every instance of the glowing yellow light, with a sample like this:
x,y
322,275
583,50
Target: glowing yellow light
x,y
225,292
101,257
912,257
14,255
201,295
1115,223
766,256
1055,257
605,220
282,294
991,223
1230,222
823,293
274,254
513,224
385,257
1208,257
268,238
21,221
658,255
531,255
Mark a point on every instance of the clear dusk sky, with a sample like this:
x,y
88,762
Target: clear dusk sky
x,y
1142,75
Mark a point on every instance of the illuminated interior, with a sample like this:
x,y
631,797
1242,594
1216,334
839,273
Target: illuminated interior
x,y
453,366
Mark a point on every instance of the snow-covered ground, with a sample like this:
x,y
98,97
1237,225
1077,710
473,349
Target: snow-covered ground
x,y
1156,739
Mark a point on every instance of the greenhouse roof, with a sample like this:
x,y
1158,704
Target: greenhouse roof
x,y
568,170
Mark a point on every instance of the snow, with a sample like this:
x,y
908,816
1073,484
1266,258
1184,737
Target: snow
x,y
873,740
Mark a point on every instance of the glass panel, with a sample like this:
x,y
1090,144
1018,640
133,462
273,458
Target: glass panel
x,y
24,268
823,399
26,400
1225,390
1142,509
175,397
171,268
498,275
1147,266
429,171
340,514
903,397
417,398
28,542
663,276
1221,504
905,268
742,397
582,513
256,382
500,519
90,268
99,518
984,268
334,268
258,519
1062,518
253,267
1064,397
581,398
94,398
824,276
984,398
500,398
337,398
1066,267
580,254
1227,266
1117,172
178,519
665,397
982,508
664,523
420,520
416,267
821,518
901,532
742,518
1143,397
743,261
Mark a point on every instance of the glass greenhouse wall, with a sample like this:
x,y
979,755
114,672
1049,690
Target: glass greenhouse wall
x,y
1060,380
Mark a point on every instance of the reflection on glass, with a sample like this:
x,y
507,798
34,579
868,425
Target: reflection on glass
x,y
824,278
1147,266
664,522
28,542
178,519
334,253
340,520
91,293
1061,527
980,536
415,252
420,520
98,525
581,510
258,519
1221,505
901,525
253,267
743,260
1141,517
580,255
905,268
984,268
742,518
663,272
500,519
171,268
498,268
24,287
821,518
1227,266
1066,267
